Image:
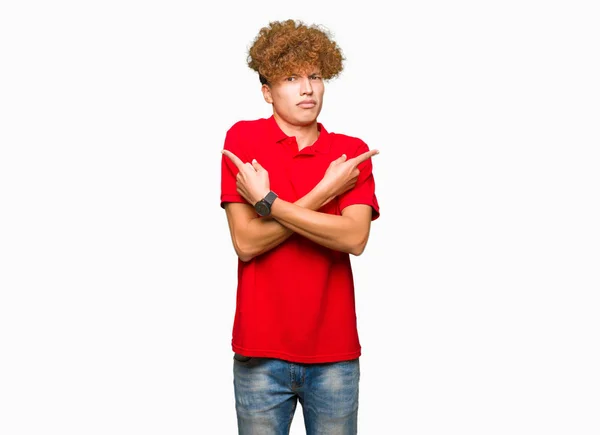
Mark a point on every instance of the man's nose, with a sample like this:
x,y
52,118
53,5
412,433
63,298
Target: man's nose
x,y
306,88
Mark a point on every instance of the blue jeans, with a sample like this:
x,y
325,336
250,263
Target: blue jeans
x,y
267,390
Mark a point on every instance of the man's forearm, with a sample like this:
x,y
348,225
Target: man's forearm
x,y
264,234
341,233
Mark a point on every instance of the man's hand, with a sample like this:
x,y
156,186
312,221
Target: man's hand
x,y
252,179
342,174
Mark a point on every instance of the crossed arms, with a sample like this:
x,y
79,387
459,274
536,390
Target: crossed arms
x,y
252,236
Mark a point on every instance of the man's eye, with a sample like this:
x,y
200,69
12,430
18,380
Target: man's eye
x,y
290,79
315,77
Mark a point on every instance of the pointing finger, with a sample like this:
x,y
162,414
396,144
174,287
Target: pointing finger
x,y
364,156
236,161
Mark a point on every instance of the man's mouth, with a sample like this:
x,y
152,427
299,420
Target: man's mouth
x,y
307,104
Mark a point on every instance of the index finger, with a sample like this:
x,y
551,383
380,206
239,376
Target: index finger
x,y
364,156
235,159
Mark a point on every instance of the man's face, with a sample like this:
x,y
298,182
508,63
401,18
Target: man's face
x,y
297,99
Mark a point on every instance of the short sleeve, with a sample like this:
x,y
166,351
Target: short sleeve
x,y
229,171
364,190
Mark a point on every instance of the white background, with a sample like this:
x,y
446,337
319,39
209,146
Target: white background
x,y
477,296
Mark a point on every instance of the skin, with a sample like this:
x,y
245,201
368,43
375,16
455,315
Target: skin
x,y
252,235
286,94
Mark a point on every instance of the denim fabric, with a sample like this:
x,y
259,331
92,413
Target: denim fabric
x,y
267,390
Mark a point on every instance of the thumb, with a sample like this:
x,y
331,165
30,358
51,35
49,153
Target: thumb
x,y
256,165
341,158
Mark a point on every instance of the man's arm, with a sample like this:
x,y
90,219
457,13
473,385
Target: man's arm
x,y
248,232
346,233
252,236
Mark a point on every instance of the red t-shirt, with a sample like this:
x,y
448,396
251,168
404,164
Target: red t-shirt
x,y
296,301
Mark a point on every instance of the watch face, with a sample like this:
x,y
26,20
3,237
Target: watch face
x,y
262,208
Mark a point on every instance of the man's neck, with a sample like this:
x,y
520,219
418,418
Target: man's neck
x,y
306,135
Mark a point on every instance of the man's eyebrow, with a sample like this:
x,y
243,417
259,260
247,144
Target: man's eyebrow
x,y
297,74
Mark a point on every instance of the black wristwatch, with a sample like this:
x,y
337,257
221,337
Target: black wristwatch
x,y
263,207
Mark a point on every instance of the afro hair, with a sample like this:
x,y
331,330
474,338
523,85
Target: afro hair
x,y
287,47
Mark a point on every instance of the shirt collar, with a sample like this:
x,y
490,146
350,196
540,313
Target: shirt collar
x,y
321,145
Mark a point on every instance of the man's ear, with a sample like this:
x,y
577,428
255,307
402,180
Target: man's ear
x,y
266,90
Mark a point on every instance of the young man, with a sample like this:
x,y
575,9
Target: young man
x,y
299,200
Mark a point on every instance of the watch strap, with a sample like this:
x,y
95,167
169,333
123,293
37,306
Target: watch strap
x,y
270,197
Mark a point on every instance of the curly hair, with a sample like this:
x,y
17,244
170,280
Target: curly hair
x,y
286,47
